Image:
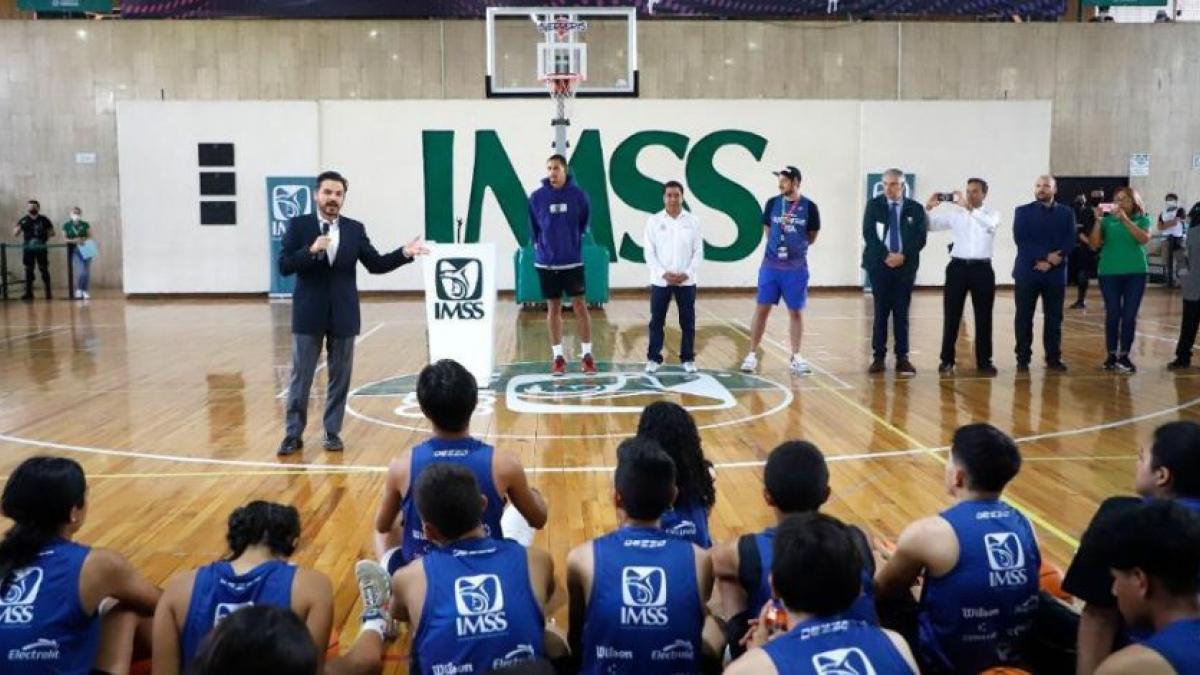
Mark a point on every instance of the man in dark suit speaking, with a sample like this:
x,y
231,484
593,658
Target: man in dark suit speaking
x,y
323,251
893,235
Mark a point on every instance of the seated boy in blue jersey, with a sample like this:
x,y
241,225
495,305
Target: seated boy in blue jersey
x,y
638,595
447,393
1170,469
1154,552
477,603
816,574
64,607
795,480
980,563
673,428
262,537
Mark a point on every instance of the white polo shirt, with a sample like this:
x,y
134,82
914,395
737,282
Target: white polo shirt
x,y
673,245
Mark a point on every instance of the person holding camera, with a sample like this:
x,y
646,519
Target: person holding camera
x,y
973,229
1121,238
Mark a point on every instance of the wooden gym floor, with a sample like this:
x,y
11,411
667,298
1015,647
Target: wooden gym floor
x,y
174,409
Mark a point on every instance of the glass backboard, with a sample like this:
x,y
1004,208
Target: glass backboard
x,y
524,44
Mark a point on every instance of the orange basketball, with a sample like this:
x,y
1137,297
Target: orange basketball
x,y
1050,579
1004,670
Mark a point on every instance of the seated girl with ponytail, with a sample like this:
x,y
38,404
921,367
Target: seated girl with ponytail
x,y
64,607
262,537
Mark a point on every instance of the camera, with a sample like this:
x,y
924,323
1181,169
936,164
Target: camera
x,y
945,196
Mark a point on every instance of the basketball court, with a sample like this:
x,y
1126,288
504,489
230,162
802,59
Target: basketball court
x,y
170,390
174,409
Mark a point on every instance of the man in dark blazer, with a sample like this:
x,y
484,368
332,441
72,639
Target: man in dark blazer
x,y
323,251
894,230
1045,234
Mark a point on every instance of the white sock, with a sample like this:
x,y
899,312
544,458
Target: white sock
x,y
797,357
557,349
586,347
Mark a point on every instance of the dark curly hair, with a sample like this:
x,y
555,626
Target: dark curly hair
x,y
675,430
275,525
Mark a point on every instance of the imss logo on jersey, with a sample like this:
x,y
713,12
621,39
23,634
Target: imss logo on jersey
x,y
850,661
1006,558
17,596
479,600
643,596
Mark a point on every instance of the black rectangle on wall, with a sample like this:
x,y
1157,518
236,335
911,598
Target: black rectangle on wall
x,y
215,154
218,183
218,213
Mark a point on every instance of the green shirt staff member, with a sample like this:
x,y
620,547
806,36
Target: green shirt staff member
x,y
1121,239
79,232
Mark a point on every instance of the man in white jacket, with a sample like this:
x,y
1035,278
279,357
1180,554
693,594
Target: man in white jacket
x,y
674,248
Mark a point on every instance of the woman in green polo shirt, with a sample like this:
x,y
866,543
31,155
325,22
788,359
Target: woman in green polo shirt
x,y
79,232
1121,238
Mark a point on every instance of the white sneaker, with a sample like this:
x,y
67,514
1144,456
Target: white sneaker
x,y
750,364
86,295
651,367
375,589
78,295
689,367
799,366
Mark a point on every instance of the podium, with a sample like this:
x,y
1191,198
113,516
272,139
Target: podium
x,y
460,306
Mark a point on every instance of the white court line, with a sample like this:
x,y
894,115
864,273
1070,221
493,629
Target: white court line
x,y
1150,336
321,366
44,331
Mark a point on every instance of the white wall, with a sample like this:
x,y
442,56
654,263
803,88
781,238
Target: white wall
x,y
166,250
377,145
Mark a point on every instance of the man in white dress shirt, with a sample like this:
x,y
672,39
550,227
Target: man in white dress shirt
x,y
973,228
674,248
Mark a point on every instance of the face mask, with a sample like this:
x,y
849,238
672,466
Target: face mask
x,y
1171,205
75,217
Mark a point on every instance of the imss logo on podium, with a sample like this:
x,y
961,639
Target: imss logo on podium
x,y
459,289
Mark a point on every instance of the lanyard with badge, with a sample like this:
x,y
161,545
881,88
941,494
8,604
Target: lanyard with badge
x,y
781,250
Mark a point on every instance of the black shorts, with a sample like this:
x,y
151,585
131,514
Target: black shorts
x,y
557,282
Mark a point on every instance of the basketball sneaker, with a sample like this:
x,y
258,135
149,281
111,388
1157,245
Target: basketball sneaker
x,y
799,366
375,589
560,366
651,367
689,367
750,364
589,364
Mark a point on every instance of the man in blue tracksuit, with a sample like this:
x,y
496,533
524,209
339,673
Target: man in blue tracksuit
x,y
558,217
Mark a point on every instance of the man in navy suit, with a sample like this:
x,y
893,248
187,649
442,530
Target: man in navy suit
x,y
1045,234
894,229
323,251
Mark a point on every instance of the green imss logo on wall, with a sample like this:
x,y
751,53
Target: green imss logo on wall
x,y
621,179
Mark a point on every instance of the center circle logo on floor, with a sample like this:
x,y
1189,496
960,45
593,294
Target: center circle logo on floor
x,y
714,397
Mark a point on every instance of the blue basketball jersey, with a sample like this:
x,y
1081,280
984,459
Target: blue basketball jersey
x,y
863,608
219,591
644,614
976,616
833,646
469,452
43,627
688,521
788,226
480,613
1179,644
